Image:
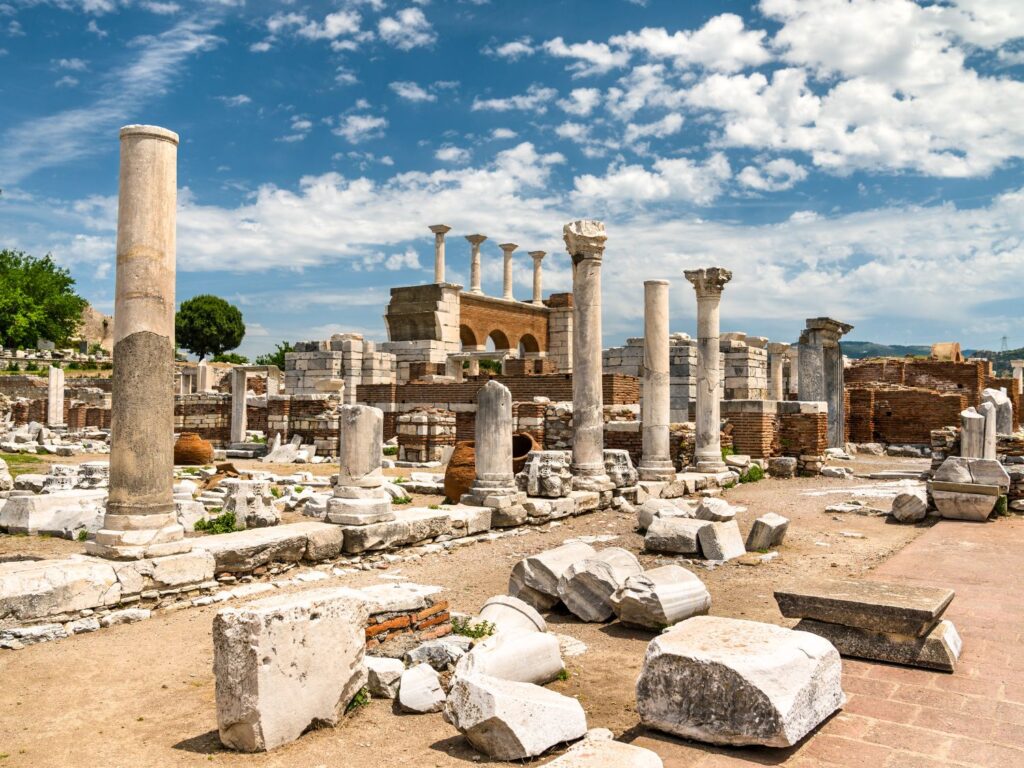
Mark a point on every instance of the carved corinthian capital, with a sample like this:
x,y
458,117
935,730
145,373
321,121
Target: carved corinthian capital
x,y
708,281
584,239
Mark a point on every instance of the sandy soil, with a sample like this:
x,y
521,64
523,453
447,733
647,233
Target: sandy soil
x,y
143,695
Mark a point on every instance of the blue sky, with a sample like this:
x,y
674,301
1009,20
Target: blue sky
x,y
855,159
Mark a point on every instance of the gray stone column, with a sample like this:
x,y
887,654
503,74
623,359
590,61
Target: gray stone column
x,y
708,284
1018,375
538,257
493,441
140,520
656,459
203,377
360,446
776,358
439,231
474,262
585,241
988,411
55,397
239,416
821,371
507,249
972,434
793,356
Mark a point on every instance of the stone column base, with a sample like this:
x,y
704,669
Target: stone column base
x,y
139,544
711,467
495,498
655,471
594,483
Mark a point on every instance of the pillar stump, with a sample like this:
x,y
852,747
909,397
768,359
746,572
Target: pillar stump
x,y
776,361
656,459
495,482
140,520
708,283
55,397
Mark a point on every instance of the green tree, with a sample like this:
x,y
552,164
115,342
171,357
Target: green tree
x,y
37,301
208,325
277,356
230,357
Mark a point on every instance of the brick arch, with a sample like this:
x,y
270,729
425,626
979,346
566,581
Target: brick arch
x,y
482,316
468,337
528,344
500,339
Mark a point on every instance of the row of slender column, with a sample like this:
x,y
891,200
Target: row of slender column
x,y
475,241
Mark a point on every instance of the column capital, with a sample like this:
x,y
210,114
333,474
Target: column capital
x,y
537,255
476,239
708,281
584,239
1017,363
440,229
825,329
508,247
777,347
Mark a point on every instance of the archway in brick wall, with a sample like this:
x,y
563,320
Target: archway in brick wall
x,y
498,340
467,337
528,345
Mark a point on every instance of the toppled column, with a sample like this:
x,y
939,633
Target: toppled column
x,y
776,358
55,397
140,520
585,240
474,262
821,371
708,284
239,415
439,231
538,257
506,250
656,460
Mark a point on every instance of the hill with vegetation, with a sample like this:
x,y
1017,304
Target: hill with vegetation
x,y
858,350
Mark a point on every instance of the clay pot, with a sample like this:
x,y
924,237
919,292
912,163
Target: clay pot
x,y
522,444
192,450
461,470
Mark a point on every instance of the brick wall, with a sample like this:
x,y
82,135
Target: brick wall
x,y
860,415
909,414
803,434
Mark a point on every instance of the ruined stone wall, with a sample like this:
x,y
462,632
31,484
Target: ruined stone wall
x,y
860,415
208,414
908,415
1010,386
754,426
425,433
942,375
802,432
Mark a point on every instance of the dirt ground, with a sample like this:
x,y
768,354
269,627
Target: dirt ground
x,y
143,694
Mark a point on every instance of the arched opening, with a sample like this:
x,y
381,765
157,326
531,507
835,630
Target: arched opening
x,y
528,345
497,340
467,337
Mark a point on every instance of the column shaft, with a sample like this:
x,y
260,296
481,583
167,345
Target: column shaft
x,y
507,249
708,284
538,295
439,231
474,263
656,460
55,397
239,414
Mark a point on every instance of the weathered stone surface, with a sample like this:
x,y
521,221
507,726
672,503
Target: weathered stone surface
x,y
956,469
654,508
619,467
63,513
782,466
606,753
525,657
953,505
716,510
165,573
728,681
678,535
905,609
125,616
324,543
510,614
420,690
661,597
721,541
365,511
286,663
33,589
546,474
442,654
468,520
410,526
383,676
767,531
586,586
910,507
241,551
1004,409
535,579
939,649
508,720
251,503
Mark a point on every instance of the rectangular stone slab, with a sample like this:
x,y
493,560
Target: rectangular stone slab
x,y
939,649
878,606
981,490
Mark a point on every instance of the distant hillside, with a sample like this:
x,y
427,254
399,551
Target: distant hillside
x,y
1000,360
858,350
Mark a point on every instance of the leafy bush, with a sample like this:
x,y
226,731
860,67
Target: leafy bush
x,y
753,474
224,523
230,357
277,356
361,699
402,500
390,450
463,626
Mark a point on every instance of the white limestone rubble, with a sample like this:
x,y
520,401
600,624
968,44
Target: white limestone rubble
x,y
661,597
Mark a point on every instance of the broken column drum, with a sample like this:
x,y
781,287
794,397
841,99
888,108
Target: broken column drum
x,y
140,520
821,371
360,446
708,284
585,242
494,441
656,459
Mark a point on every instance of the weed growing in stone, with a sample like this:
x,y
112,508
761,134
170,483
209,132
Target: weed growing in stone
x,y
390,450
463,626
753,474
361,699
224,523
402,500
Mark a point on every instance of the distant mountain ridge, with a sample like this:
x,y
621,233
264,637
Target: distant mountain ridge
x,y
858,350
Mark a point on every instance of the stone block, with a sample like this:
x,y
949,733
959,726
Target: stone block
x,y
676,535
535,579
410,526
62,513
954,505
904,609
767,531
586,586
34,589
359,511
652,509
721,541
606,753
661,597
286,663
420,690
242,551
716,510
383,676
324,543
728,681
939,649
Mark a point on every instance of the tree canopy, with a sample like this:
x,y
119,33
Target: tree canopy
x,y
277,356
208,325
37,301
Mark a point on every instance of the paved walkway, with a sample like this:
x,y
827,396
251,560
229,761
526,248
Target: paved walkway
x,y
897,717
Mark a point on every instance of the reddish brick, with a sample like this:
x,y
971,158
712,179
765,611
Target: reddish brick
x,y
441,618
908,738
881,709
441,631
435,608
986,754
395,623
953,723
844,752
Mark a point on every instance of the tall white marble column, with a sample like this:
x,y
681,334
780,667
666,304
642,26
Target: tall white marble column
x,y
140,520
239,415
1018,375
55,397
776,359
585,241
507,250
656,459
708,284
538,257
474,262
439,230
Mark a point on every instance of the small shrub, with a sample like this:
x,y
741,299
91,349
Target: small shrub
x,y
361,699
402,500
275,492
74,366
434,506
82,535
463,626
564,674
753,474
1002,507
390,450
300,488
224,523
13,367
32,366
727,451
